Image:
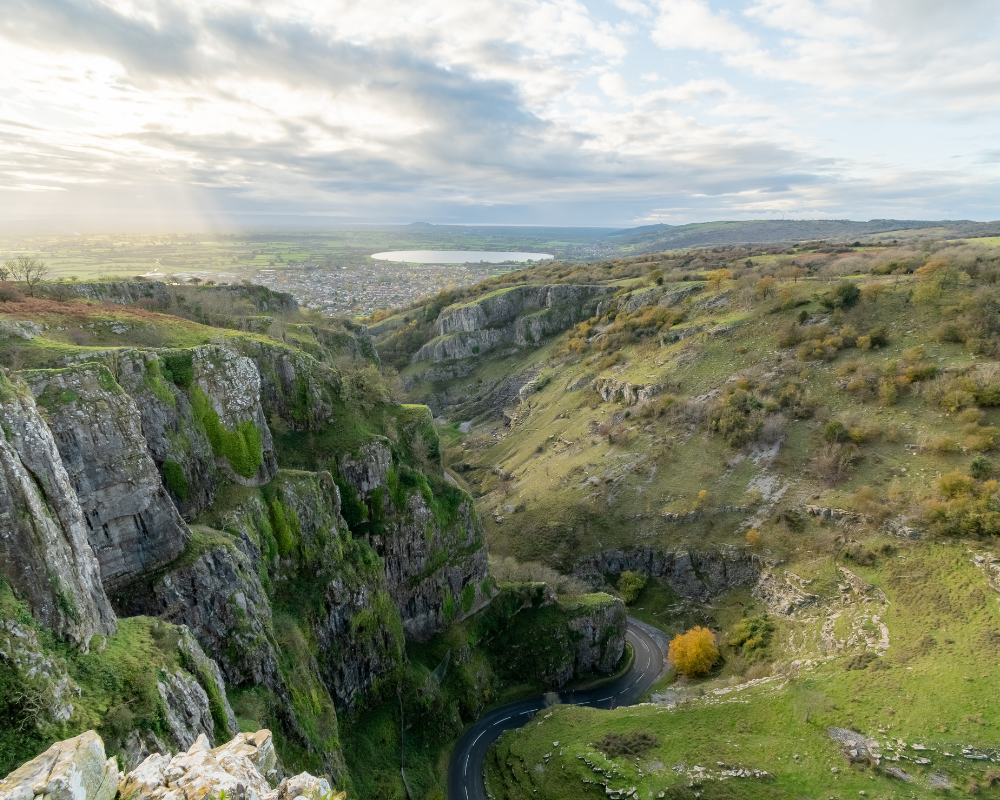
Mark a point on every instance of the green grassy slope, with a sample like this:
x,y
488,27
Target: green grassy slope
x,y
864,380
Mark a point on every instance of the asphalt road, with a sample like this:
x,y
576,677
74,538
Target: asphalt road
x,y
465,773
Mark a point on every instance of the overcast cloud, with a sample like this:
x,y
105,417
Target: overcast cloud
x,y
150,113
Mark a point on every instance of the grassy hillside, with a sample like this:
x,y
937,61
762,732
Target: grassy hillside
x,y
861,380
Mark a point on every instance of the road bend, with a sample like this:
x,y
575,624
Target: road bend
x,y
465,773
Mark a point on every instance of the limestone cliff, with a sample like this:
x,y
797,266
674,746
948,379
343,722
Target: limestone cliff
x,y
698,575
233,417
518,316
47,557
131,523
433,546
568,638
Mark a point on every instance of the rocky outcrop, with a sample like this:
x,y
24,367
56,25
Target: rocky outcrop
x,y
75,769
631,302
218,595
615,391
294,386
186,703
177,443
520,315
48,558
601,624
837,514
22,655
782,596
696,575
126,293
189,696
435,559
571,639
244,768
231,384
132,525
158,294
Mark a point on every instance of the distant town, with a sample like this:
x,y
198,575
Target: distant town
x,y
365,288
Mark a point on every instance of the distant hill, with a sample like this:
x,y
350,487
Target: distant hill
x,y
708,234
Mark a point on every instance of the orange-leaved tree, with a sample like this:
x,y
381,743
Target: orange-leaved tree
x,y
693,653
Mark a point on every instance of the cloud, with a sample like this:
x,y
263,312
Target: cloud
x,y
533,107
691,24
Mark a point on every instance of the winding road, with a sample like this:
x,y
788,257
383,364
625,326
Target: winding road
x,y
465,773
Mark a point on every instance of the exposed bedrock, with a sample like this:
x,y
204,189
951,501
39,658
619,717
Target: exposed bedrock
x,y
519,316
697,575
48,558
433,561
132,525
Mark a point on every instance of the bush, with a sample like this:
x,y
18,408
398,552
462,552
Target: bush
x,y
981,468
835,431
631,584
695,652
179,368
844,295
9,293
751,636
753,538
633,743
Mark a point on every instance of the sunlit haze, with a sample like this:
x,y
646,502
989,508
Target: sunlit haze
x,y
177,114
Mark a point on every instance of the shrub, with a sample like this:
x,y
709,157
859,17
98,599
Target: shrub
x,y
633,743
981,468
751,636
240,447
835,431
954,483
630,585
844,295
695,652
739,418
970,508
888,393
753,538
179,368
9,293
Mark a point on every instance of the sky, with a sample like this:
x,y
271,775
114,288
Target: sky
x,y
173,114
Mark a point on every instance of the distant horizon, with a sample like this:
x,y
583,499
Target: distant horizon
x,y
10,228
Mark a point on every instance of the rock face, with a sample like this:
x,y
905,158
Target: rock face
x,y
782,597
615,391
696,575
431,561
75,769
188,706
601,624
47,556
231,384
571,640
242,769
131,293
21,653
176,441
520,315
220,598
132,525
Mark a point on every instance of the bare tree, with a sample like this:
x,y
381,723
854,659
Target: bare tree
x,y
28,270
7,269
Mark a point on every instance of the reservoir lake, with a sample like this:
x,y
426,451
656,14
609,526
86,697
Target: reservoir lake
x,y
457,256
